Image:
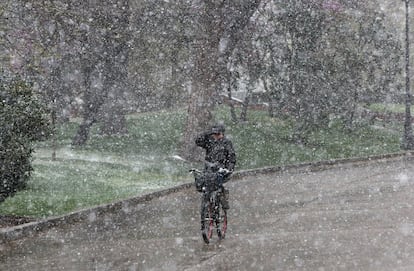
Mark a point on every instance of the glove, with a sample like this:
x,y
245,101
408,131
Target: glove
x,y
223,174
224,171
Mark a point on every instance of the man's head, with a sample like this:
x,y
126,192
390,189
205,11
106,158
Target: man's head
x,y
217,131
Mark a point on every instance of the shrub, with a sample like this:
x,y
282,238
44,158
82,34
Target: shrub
x,y
22,121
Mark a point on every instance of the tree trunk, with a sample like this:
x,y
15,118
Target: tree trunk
x,y
245,105
230,86
408,139
116,74
114,122
201,102
217,38
92,102
53,136
82,134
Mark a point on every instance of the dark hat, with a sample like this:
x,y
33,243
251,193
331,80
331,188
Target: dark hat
x,y
218,129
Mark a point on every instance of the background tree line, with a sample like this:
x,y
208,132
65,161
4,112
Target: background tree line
x,y
99,60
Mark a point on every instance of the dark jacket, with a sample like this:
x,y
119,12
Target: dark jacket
x,y
220,151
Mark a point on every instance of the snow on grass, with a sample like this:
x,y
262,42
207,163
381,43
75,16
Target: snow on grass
x,y
78,179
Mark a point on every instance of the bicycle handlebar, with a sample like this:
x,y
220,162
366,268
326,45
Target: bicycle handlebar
x,y
223,171
195,170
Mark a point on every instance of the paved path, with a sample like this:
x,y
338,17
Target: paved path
x,y
349,218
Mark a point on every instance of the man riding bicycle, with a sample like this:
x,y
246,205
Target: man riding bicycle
x,y
219,150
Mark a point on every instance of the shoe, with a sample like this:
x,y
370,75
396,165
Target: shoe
x,y
225,205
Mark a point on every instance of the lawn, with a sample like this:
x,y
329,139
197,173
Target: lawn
x,y
389,108
108,169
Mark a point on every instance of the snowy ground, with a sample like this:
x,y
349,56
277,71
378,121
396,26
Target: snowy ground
x,y
359,218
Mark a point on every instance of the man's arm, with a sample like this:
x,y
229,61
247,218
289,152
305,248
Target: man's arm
x,y
202,140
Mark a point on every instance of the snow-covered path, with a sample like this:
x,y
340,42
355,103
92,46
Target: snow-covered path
x,y
349,218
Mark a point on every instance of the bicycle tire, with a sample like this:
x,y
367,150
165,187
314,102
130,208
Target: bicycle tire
x,y
221,223
207,222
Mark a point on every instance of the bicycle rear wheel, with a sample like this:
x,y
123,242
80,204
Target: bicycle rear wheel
x,y
207,223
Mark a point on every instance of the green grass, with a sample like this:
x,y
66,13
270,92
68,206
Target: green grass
x,y
67,184
389,108
265,141
105,170
108,169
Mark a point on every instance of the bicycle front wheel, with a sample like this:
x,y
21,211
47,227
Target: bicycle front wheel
x,y
207,224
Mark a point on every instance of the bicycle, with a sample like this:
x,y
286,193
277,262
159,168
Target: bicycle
x,y
211,211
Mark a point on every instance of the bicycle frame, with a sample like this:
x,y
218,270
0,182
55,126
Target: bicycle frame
x,y
212,214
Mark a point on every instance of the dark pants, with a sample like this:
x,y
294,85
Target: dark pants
x,y
224,198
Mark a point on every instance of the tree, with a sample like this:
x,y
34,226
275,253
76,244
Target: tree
x,y
22,121
323,62
220,27
160,63
116,73
362,57
408,139
303,24
43,49
104,57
